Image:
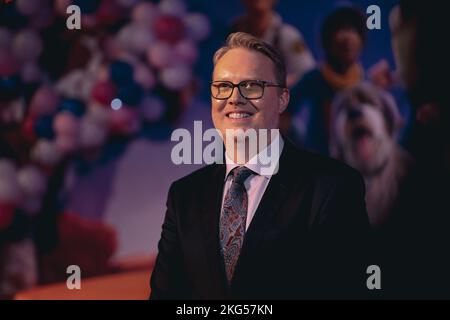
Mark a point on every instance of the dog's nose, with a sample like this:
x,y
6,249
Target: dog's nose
x,y
354,114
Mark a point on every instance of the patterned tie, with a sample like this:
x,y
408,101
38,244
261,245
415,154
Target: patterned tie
x,y
233,219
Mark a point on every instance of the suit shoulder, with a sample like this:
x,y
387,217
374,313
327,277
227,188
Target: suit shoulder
x,y
198,176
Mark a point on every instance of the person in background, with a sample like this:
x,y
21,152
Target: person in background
x,y
343,35
260,20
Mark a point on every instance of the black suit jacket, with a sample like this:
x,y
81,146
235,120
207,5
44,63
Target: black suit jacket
x,y
308,237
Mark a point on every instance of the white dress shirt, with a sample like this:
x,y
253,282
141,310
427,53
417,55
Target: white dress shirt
x,y
255,184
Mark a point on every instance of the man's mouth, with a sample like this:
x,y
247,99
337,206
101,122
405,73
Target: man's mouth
x,y
238,115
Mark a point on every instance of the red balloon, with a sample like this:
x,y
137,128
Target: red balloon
x,y
6,215
8,64
169,28
104,92
108,12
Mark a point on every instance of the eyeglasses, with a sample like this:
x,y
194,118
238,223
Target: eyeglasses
x,y
249,89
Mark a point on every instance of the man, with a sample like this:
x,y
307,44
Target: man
x,y
260,20
234,231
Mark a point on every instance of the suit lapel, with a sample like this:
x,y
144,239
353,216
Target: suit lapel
x,y
212,195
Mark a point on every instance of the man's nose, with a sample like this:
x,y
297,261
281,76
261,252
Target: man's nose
x,y
236,97
353,114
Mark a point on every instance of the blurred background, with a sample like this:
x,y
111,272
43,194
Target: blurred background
x,y
86,116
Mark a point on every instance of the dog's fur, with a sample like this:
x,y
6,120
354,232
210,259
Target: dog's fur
x,y
365,121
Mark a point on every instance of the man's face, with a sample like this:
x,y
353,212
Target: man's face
x,y
346,45
237,112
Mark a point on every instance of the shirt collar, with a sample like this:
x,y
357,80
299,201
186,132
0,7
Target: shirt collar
x,y
253,164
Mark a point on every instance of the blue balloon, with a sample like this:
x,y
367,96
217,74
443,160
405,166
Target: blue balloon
x,y
10,87
74,106
121,73
43,127
130,94
87,6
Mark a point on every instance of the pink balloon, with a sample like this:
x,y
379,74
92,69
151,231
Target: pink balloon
x,y
66,143
27,45
161,55
152,108
28,8
66,123
176,78
169,28
8,64
104,92
145,13
31,72
197,25
144,77
45,100
186,52
108,12
60,7
5,38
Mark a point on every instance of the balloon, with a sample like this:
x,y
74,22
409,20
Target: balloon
x,y
152,108
27,45
45,100
169,28
8,64
176,77
66,123
108,12
28,128
197,25
130,94
28,7
98,113
45,152
9,187
121,72
88,21
31,181
10,87
144,77
161,55
125,121
135,38
172,7
74,106
127,3
5,38
6,215
31,73
145,13
92,133
67,143
43,19
103,92
186,52
43,127
61,7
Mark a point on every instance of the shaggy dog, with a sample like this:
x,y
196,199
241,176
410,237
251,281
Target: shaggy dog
x,y
365,121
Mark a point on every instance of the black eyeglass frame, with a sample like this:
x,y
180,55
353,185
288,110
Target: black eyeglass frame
x,y
263,83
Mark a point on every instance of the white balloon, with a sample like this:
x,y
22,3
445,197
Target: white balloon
x,y
92,133
31,181
7,169
172,7
198,26
176,77
161,55
27,45
152,108
45,153
135,38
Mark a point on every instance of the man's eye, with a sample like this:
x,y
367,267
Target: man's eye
x,y
250,85
223,86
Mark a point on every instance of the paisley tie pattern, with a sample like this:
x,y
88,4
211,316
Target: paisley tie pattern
x,y
233,219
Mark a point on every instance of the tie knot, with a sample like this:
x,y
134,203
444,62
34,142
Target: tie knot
x,y
240,174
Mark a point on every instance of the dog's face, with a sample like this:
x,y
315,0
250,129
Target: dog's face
x,y
362,136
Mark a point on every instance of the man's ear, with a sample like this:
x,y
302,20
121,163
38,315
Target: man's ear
x,y
284,100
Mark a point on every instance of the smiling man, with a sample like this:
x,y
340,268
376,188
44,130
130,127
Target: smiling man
x,y
233,231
